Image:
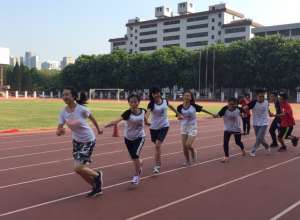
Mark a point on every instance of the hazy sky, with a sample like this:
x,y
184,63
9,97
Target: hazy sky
x,y
56,28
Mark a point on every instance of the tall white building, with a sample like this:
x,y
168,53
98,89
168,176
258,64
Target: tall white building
x,y
66,61
35,62
188,29
14,60
27,60
290,31
50,65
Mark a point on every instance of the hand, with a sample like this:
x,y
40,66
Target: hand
x,y
272,114
147,123
100,131
216,116
60,131
109,125
180,117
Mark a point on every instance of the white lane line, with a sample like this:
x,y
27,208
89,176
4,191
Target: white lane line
x,y
286,211
183,199
68,148
146,177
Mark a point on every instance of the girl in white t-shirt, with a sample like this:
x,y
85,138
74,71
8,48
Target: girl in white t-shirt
x,y
158,109
75,116
134,133
189,128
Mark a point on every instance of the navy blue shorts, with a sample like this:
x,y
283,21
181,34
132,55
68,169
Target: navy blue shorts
x,y
159,135
134,147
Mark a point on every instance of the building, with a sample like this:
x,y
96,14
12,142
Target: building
x,y
66,61
35,62
14,60
50,65
290,31
27,61
188,29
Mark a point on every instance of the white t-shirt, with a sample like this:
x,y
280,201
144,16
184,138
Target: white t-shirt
x,y
159,113
232,119
134,124
189,114
76,121
260,112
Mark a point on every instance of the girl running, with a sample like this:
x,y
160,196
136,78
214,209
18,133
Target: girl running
x,y
74,115
134,133
232,126
287,123
189,130
158,108
246,115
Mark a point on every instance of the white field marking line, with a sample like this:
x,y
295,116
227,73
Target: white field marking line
x,y
53,132
68,148
109,187
94,155
286,211
210,189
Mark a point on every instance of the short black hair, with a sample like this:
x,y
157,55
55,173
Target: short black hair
x,y
134,95
259,91
154,89
274,93
232,99
283,95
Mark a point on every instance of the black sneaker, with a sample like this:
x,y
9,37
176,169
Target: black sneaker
x,y
274,145
99,181
295,141
94,193
282,149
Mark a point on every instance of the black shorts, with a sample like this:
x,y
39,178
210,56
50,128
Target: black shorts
x,y
135,147
159,135
82,152
285,132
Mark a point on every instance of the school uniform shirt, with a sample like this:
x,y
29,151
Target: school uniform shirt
x,y
232,119
159,114
243,103
189,114
260,112
77,122
288,119
134,124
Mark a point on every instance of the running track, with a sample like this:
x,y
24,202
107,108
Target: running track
x,y
37,181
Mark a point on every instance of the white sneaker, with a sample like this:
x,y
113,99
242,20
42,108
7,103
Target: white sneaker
x,y
268,151
252,154
156,169
194,160
135,180
187,164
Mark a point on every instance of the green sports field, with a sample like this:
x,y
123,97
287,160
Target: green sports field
x,y
30,114
41,113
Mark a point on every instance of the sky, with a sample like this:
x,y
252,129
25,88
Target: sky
x,y
56,28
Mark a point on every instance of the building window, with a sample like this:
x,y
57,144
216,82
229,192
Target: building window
x,y
148,48
171,30
131,28
130,51
169,38
131,35
220,15
148,33
116,44
131,43
219,33
135,45
296,32
220,23
260,34
150,40
212,36
148,26
213,20
230,40
272,33
213,8
197,43
135,37
213,27
199,18
235,30
171,45
195,35
172,22
284,33
199,26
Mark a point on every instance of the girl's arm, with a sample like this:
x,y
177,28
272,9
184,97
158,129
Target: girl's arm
x,y
146,120
147,115
207,112
179,116
95,123
60,130
115,122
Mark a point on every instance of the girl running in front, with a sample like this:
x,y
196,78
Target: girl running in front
x,y
287,123
246,115
232,126
134,133
189,128
158,108
74,115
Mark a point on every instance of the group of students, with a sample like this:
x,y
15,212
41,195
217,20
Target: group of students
x,y
75,116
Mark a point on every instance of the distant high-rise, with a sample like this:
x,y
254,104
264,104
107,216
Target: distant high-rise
x,y
14,60
27,61
66,61
50,65
34,62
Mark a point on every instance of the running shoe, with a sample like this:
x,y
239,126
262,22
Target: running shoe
x,y
252,154
268,150
187,164
295,141
282,149
225,160
135,180
274,145
194,160
156,169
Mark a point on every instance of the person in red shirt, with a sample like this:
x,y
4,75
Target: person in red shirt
x,y
287,123
246,115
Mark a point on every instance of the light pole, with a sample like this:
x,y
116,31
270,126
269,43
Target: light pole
x,y
214,61
206,72
199,76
